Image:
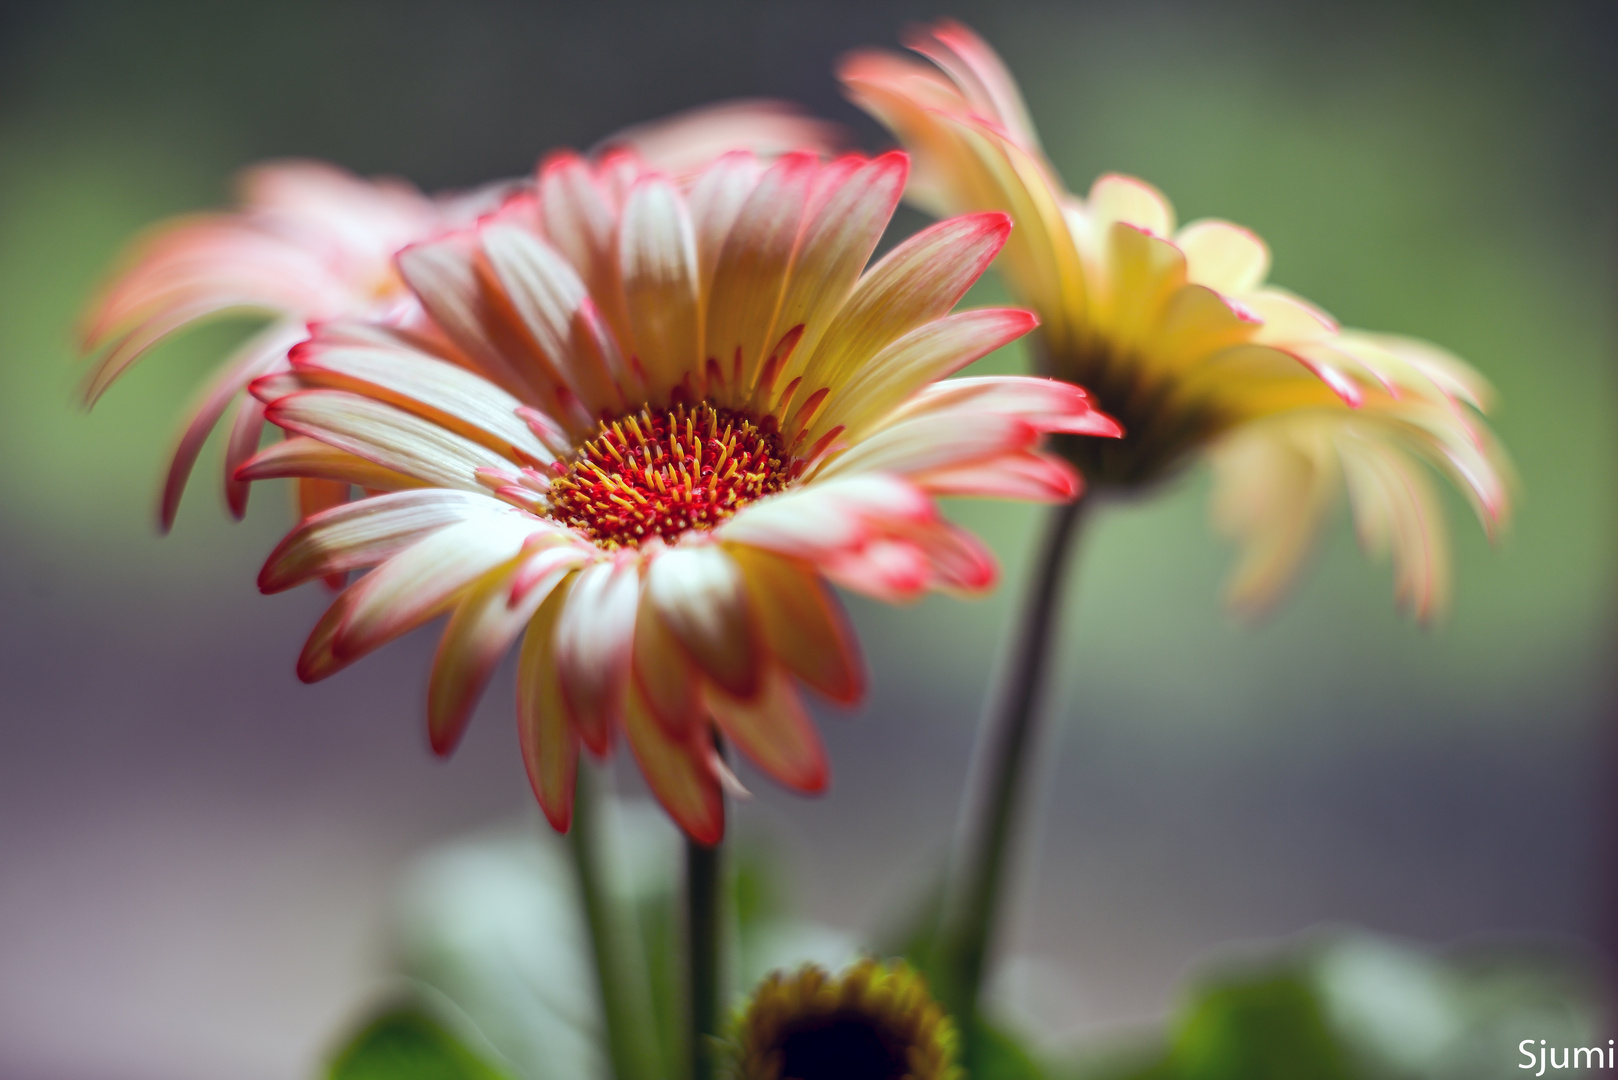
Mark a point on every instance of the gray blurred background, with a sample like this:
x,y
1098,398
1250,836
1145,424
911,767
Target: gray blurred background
x,y
197,852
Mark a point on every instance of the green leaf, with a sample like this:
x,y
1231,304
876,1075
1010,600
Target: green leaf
x,y
1001,1056
407,1044
1265,1026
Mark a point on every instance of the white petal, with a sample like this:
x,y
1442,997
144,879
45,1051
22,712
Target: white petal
x,y
367,532
427,386
923,443
825,517
594,641
443,275
302,457
479,633
388,436
753,266
925,355
424,579
558,314
716,199
1047,404
853,203
917,282
1021,474
700,595
264,350
657,255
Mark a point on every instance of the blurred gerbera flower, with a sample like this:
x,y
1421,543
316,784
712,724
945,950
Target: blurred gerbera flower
x,y
642,425
309,242
873,1021
1176,333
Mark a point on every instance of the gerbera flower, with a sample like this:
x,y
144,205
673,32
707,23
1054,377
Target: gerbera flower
x,y
874,1020
647,424
309,242
1176,333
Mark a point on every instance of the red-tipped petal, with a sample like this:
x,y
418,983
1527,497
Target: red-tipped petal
x,y
550,745
804,625
594,644
479,633
678,771
699,593
776,733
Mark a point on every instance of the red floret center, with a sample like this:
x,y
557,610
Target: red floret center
x,y
660,472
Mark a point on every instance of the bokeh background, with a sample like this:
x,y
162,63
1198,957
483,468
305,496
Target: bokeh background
x,y
198,854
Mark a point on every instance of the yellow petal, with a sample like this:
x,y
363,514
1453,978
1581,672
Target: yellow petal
x,y
1142,272
1118,198
1223,256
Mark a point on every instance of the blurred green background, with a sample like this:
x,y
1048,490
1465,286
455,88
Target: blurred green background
x,y
198,852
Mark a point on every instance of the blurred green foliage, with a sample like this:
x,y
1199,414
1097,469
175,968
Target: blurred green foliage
x,y
490,918
1268,1027
408,1044
1355,1006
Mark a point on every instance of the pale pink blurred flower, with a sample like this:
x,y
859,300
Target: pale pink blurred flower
x,y
1176,333
309,242
648,422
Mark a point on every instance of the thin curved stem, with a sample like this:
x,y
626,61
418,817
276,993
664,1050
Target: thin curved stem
x,y
702,867
999,770
626,1003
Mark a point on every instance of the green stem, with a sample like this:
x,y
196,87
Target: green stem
x,y
702,865
626,1004
1000,768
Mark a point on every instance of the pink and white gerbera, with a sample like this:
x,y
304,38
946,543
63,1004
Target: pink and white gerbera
x,y
645,422
309,242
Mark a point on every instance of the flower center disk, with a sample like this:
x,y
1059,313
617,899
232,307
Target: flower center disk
x,y
841,1048
661,472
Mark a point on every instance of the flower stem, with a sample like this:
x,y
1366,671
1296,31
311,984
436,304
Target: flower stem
x,y
999,771
621,977
702,866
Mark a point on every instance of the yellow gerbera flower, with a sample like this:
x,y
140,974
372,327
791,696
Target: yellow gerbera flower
x,y
1176,333
643,422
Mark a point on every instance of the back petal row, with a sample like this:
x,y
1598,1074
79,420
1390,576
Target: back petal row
x,y
642,424
309,242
